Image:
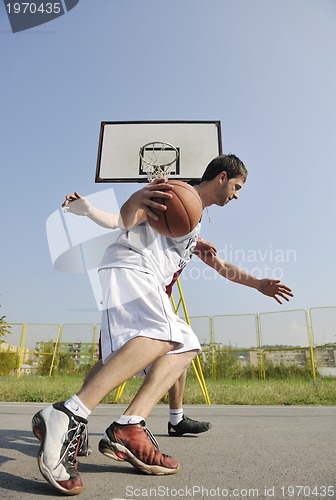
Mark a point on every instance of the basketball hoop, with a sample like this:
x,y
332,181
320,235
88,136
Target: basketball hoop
x,y
157,159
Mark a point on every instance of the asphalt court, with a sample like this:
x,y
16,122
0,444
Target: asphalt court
x,y
251,452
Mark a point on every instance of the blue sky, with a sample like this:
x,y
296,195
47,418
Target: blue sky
x,y
265,69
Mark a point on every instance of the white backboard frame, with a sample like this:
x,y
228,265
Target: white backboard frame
x,y
198,142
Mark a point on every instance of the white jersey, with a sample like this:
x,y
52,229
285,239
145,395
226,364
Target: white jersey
x,y
144,249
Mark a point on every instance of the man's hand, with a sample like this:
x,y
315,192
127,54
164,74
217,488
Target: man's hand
x,y
205,250
275,289
143,199
76,204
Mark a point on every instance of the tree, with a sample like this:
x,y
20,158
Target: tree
x,y
45,356
4,328
66,365
8,362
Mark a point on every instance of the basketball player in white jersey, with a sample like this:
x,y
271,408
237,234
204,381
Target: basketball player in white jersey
x,y
140,331
179,424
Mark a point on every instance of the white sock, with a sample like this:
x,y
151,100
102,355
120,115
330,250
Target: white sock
x,y
129,419
175,416
78,408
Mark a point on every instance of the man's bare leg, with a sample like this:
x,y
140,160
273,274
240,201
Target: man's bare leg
x,y
124,364
84,449
60,426
176,392
128,438
176,412
161,376
93,370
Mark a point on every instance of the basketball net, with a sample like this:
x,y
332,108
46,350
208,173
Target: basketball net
x,y
157,159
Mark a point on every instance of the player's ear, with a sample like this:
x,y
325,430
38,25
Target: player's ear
x,y
222,177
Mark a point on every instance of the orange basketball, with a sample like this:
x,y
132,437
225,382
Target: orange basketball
x,y
183,211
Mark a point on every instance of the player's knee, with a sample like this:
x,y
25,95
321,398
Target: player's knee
x,y
188,356
192,354
170,346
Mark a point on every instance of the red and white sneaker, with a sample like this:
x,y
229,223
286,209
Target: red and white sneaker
x,y
137,445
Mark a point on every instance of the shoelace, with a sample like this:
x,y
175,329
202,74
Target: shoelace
x,y
70,450
84,437
154,441
152,438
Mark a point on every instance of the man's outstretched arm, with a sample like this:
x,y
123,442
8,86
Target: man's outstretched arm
x,y
134,211
270,287
79,205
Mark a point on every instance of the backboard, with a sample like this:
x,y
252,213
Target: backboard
x,y
120,143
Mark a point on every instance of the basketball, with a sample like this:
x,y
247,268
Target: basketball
x,y
183,211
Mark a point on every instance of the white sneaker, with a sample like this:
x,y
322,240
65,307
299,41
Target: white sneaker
x,y
59,432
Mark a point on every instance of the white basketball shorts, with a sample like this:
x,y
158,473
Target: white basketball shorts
x,y
134,305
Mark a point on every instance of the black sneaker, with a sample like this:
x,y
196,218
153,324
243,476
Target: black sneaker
x,y
59,432
136,444
84,449
188,426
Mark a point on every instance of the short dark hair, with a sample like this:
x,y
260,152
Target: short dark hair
x,y
229,163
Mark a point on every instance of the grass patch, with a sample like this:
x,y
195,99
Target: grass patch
x,y
291,391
